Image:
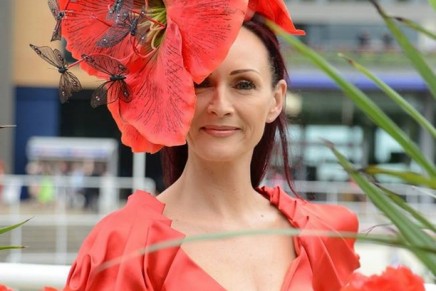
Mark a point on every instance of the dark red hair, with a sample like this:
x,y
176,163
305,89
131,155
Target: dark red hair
x,y
174,158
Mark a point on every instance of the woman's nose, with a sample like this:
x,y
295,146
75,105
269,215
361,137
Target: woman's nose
x,y
220,103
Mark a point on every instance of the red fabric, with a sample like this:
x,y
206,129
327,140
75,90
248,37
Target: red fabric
x,y
322,263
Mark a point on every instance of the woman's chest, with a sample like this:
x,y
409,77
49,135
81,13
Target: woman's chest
x,y
249,262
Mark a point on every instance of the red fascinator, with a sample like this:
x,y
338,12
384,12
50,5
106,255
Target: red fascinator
x,y
150,53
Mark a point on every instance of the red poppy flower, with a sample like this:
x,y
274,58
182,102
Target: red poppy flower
x,y
171,45
398,279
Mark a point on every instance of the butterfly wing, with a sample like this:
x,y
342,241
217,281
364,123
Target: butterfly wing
x,y
99,96
68,84
119,90
74,81
57,31
54,8
51,56
115,87
114,35
118,9
65,90
58,15
125,95
105,64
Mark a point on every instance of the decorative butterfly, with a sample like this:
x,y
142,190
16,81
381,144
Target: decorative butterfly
x,y
68,82
58,14
118,9
113,89
126,23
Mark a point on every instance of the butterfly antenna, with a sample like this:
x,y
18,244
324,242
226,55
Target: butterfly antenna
x,y
75,63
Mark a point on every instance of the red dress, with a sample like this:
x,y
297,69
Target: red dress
x,y
322,263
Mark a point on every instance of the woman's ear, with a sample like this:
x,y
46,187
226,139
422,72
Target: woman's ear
x,y
278,100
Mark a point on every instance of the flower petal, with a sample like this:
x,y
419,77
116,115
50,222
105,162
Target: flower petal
x,y
208,29
130,136
86,23
276,11
163,96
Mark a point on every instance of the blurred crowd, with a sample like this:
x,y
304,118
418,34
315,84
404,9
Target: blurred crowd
x,y
77,192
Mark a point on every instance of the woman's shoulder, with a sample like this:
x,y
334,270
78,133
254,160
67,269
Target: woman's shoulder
x,y
141,211
139,206
304,213
117,240
113,250
330,258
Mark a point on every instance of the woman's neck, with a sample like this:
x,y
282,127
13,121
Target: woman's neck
x,y
222,190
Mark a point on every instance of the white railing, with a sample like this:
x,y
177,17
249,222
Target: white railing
x,y
33,276
108,186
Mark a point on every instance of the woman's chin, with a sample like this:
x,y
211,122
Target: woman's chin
x,y
215,152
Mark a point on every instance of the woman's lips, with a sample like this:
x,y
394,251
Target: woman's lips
x,y
220,131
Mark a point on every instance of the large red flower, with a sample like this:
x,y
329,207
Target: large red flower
x,y
167,46
398,279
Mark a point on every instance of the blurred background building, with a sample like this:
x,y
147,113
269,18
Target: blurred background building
x,y
316,108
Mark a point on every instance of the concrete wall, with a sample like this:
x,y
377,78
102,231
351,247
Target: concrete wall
x,y
6,85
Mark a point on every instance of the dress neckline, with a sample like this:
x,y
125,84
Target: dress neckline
x,y
274,197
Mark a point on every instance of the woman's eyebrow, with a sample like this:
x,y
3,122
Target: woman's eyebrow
x,y
235,72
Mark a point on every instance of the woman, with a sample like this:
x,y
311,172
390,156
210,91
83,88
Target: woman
x,y
205,81
214,187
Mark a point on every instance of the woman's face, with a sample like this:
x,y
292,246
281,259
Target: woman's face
x,y
235,102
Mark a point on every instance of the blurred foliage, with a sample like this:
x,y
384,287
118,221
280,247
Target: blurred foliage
x,y
413,230
7,229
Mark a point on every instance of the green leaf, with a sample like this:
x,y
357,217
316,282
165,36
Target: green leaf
x,y
361,100
2,248
409,109
11,227
416,26
407,176
411,232
409,50
404,205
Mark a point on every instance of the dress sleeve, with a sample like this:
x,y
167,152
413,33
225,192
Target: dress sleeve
x,y
109,259
333,259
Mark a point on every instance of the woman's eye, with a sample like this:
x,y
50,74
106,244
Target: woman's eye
x,y
203,84
245,85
